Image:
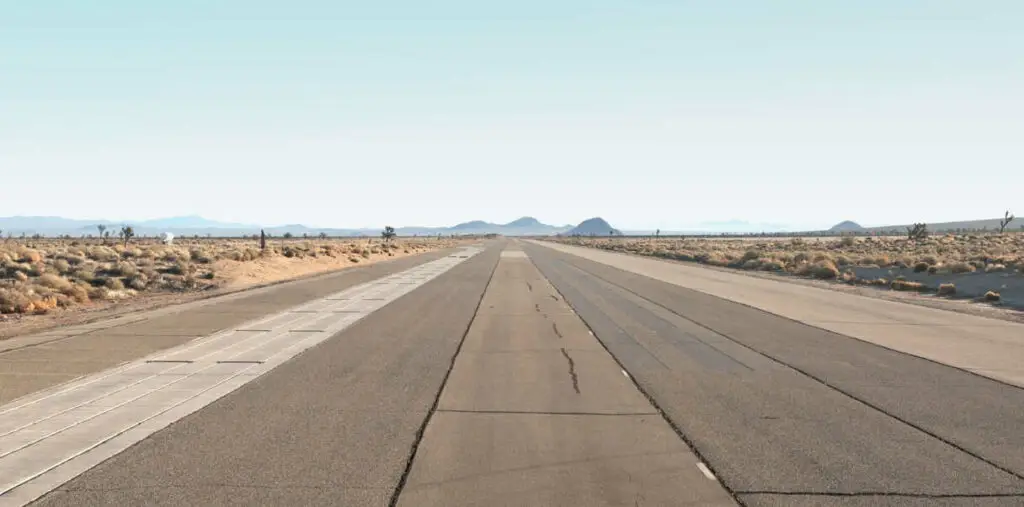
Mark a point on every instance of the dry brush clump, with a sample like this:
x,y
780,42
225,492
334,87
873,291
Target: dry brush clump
x,y
40,275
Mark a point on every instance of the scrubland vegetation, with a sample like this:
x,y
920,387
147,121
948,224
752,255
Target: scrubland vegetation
x,y
41,275
837,258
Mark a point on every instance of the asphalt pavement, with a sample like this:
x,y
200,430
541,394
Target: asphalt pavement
x,y
529,376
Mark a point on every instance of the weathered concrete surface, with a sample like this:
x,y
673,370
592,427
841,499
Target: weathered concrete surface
x,y
989,347
540,414
333,426
34,362
790,414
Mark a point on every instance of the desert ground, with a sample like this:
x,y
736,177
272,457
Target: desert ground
x,y
63,281
988,267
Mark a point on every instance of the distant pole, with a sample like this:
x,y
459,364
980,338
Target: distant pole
x,y
263,240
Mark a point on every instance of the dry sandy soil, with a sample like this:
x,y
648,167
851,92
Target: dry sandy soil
x,y
49,282
900,264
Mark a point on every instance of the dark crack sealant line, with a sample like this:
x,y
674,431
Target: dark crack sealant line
x,y
572,371
554,326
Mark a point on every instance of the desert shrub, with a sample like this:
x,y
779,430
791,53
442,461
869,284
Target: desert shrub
x,y
992,296
172,256
125,269
947,289
201,256
138,282
365,253
905,285
995,268
29,255
78,292
921,267
961,267
181,267
84,273
801,257
353,259
933,269
54,282
13,301
131,253
848,241
102,254
100,293
20,276
824,270
61,266
114,283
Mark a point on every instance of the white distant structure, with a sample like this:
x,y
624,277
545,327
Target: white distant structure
x,y
167,238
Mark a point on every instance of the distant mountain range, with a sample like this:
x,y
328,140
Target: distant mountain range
x,y
967,225
196,225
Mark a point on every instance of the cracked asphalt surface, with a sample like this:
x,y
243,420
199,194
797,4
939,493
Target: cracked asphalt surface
x,y
788,414
555,380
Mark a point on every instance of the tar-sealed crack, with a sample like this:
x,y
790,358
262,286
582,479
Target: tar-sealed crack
x,y
558,333
572,371
553,297
528,286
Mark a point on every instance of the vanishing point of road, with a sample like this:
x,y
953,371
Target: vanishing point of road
x,y
519,373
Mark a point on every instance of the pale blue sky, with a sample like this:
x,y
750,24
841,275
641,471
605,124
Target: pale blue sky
x,y
650,113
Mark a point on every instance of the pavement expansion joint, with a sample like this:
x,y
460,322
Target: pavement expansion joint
x,y
51,436
632,413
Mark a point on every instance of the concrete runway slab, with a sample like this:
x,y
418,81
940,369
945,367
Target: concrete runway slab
x,y
523,422
542,459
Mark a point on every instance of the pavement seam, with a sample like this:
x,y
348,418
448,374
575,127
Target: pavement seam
x,y
650,399
437,399
825,382
522,412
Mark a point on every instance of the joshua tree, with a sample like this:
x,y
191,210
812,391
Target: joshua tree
x,y
388,234
1005,221
263,240
288,235
102,228
127,233
323,235
657,233
918,231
